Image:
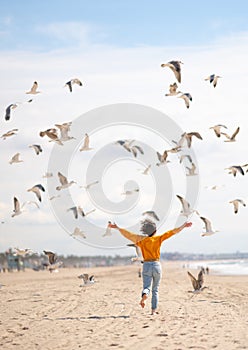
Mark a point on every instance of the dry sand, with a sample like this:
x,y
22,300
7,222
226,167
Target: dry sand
x,y
42,310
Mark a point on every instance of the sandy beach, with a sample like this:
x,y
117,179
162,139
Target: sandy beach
x,y
42,310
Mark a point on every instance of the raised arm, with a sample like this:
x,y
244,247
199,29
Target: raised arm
x,y
170,233
129,235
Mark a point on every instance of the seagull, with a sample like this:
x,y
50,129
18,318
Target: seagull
x,y
36,189
217,129
183,156
51,257
197,283
213,79
128,145
87,280
52,134
64,182
234,169
175,66
188,136
245,166
152,214
139,256
64,129
17,207
108,231
129,192
8,110
146,170
232,137
33,90
78,232
208,227
173,90
47,175
73,81
23,252
16,159
79,210
54,267
53,197
89,185
236,203
85,146
191,170
9,133
187,98
36,148
162,158
186,210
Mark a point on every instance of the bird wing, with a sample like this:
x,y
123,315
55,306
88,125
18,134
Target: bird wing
x,y
34,87
193,281
200,279
77,81
63,180
185,204
75,211
207,223
235,133
69,85
239,168
7,112
139,149
16,205
175,66
86,141
195,134
40,187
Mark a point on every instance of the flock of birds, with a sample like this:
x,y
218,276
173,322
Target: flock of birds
x,y
60,133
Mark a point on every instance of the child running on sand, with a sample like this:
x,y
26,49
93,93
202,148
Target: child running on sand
x,y
150,247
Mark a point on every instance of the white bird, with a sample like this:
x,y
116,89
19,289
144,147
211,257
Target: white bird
x,y
191,171
152,214
162,158
87,280
16,159
78,233
213,79
175,66
47,175
236,203
128,145
139,256
17,208
129,192
232,137
86,145
173,90
33,90
64,130
9,133
64,182
217,129
90,185
72,82
146,170
36,148
23,252
234,169
36,189
188,136
187,98
186,210
208,227
108,231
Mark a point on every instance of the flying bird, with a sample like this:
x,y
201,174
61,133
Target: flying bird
x,y
175,66
86,144
208,227
234,169
64,182
146,170
139,256
188,136
72,82
236,203
152,214
186,209
79,211
33,90
108,231
213,79
191,171
64,130
187,98
9,109
90,185
217,129
36,148
232,137
23,252
197,283
9,133
78,232
36,189
16,159
162,158
52,135
52,257
17,208
173,90
183,156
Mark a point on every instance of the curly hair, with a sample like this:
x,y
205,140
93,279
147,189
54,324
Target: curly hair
x,y
148,227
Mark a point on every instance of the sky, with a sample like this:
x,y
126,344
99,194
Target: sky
x,y
116,50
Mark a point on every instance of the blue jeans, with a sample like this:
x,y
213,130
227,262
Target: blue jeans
x,y
151,274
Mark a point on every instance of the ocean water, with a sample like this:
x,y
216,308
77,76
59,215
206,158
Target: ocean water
x,y
224,267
